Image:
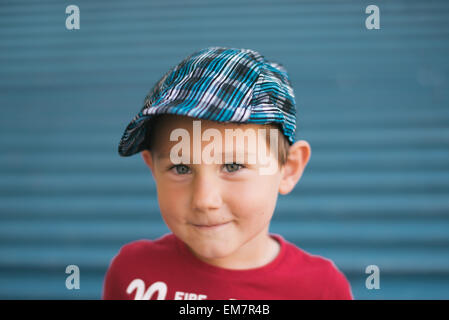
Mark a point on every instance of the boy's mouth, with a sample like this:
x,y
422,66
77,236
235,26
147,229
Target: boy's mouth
x,y
211,226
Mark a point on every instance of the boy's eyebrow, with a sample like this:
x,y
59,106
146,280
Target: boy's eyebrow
x,y
167,155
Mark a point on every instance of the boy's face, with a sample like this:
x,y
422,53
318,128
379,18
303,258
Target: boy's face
x,y
218,210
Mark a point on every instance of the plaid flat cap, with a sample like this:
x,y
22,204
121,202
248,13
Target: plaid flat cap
x,y
219,84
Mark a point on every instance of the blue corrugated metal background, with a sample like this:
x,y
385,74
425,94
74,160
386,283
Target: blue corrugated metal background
x,y
373,104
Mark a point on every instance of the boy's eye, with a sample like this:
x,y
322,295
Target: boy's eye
x,y
232,167
180,168
183,169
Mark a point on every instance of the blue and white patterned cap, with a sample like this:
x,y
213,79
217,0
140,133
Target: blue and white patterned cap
x,y
219,84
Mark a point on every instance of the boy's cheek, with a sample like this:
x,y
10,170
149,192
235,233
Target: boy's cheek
x,y
172,206
256,191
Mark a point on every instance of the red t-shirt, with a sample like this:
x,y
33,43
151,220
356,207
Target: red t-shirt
x,y
165,269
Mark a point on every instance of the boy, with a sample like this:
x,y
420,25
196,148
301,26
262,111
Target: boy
x,y
216,196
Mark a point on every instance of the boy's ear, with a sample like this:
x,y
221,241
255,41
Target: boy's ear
x,y
298,156
148,159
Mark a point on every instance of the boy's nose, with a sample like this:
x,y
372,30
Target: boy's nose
x,y
206,193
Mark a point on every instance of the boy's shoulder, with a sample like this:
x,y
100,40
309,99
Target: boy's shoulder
x,y
141,256
321,272
137,248
309,262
